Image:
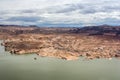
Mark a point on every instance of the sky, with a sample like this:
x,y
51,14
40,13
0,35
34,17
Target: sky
x,y
56,13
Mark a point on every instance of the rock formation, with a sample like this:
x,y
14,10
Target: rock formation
x,y
65,43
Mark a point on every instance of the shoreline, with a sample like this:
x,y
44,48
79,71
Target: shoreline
x,y
54,49
60,43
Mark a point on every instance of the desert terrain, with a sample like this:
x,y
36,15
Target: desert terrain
x,y
67,43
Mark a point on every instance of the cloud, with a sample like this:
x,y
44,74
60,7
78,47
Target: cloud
x,y
1,18
60,12
24,19
110,21
27,11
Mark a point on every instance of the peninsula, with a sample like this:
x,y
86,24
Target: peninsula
x,y
67,43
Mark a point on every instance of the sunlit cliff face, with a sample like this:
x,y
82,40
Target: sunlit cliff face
x,y
60,13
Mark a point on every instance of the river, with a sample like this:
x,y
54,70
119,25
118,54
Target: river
x,y
24,67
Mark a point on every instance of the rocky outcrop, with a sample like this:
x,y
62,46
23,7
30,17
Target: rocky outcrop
x,y
68,43
65,46
62,54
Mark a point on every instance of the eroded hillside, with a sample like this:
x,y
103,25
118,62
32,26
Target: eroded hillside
x,y
64,43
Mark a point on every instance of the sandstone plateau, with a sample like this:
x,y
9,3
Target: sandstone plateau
x,y
64,43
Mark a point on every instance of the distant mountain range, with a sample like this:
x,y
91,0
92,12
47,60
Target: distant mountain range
x,y
88,30
98,30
